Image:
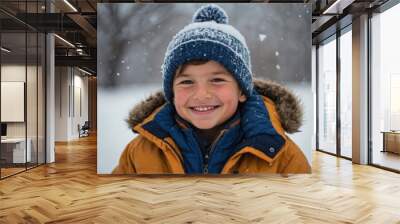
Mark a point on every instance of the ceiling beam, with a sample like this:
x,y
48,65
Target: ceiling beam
x,y
84,24
337,6
83,61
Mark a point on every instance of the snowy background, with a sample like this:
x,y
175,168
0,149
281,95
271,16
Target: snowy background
x,y
132,40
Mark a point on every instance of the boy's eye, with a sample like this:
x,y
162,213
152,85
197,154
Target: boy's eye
x,y
186,82
218,80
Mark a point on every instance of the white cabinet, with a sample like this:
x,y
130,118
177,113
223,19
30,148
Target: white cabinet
x,y
18,149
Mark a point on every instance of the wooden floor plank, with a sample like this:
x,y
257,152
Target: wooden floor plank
x,y
70,191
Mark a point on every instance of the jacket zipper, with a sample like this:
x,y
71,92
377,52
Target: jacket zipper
x,y
207,156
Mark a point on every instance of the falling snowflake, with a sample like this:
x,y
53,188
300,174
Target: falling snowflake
x,y
129,42
278,67
300,16
262,37
123,62
276,53
118,74
128,67
153,19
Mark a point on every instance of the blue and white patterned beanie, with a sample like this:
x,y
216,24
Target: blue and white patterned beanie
x,y
210,37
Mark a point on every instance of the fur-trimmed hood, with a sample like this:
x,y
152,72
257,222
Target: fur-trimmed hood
x,y
287,105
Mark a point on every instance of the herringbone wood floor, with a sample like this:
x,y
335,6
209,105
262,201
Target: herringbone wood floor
x,y
70,191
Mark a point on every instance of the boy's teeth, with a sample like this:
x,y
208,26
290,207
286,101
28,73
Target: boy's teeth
x,y
203,108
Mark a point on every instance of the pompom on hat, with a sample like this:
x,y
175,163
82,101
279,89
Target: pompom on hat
x,y
209,37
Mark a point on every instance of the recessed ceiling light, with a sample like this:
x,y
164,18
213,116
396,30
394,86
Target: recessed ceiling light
x,y
64,40
70,5
5,49
337,7
84,71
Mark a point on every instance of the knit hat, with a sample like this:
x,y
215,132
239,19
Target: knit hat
x,y
209,37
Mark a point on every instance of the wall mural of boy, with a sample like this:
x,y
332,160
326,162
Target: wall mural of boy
x,y
212,116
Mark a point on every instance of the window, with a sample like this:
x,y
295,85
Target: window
x,y
385,88
346,93
327,96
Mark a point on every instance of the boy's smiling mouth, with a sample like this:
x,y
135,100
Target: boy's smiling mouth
x,y
203,109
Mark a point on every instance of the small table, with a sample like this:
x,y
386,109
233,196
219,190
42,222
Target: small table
x,y
391,141
17,150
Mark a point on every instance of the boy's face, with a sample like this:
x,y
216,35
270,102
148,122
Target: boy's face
x,y
206,95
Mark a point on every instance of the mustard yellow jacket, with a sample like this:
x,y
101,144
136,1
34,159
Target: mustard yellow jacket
x,y
149,153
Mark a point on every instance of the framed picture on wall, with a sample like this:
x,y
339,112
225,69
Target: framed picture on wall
x,y
12,101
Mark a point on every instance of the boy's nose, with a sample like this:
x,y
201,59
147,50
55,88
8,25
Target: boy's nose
x,y
202,92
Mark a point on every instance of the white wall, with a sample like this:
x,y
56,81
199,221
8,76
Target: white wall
x,y
14,73
33,125
17,73
80,111
71,93
61,103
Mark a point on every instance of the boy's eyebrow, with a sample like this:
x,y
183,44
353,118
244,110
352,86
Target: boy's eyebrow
x,y
182,75
220,73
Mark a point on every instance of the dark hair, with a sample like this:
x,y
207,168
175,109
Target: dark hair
x,y
191,62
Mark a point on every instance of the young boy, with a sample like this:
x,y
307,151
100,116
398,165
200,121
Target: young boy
x,y
212,116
